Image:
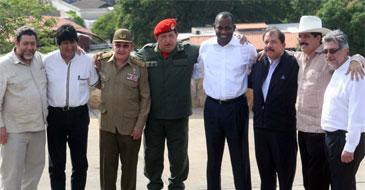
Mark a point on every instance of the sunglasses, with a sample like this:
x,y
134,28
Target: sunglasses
x,y
331,51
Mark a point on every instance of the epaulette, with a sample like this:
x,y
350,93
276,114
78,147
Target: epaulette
x,y
136,59
106,55
149,45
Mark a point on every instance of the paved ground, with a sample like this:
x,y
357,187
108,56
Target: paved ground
x,y
197,154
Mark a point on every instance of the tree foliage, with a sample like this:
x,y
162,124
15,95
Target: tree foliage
x,y
348,16
16,13
76,18
105,25
140,16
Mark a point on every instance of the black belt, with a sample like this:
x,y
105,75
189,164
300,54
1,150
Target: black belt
x,y
337,132
229,101
67,108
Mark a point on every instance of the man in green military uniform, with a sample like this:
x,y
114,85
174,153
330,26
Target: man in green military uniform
x,y
125,103
170,65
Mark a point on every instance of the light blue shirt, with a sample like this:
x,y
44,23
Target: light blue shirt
x,y
266,84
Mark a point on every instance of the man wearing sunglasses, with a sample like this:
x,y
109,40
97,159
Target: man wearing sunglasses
x,y
313,77
125,103
343,114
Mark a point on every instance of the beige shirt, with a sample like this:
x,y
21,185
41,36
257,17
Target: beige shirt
x,y
313,78
23,94
125,97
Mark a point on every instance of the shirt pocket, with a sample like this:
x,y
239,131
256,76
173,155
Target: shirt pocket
x,y
83,83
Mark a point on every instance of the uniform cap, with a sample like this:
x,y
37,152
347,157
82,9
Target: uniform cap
x,y
164,26
123,35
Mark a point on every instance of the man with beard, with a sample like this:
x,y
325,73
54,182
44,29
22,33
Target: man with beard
x,y
225,62
274,83
23,112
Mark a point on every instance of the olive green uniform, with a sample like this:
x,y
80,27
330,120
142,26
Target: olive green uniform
x,y
170,83
125,103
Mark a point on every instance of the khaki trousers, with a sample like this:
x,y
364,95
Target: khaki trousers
x,y
112,148
22,161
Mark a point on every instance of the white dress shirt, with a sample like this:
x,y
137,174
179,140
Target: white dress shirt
x,y
344,106
68,84
225,67
266,84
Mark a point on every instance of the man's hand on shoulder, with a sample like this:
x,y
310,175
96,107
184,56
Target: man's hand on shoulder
x,y
356,68
3,135
136,59
243,39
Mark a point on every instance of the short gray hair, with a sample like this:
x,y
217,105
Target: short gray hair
x,y
338,37
25,30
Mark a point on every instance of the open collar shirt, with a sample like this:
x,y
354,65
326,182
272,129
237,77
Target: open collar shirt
x,y
266,84
344,107
23,94
68,84
313,78
225,67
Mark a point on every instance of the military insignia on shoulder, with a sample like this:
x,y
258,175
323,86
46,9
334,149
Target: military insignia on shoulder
x,y
137,60
149,45
105,55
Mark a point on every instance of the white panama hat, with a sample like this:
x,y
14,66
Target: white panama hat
x,y
311,24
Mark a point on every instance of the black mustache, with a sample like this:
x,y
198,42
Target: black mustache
x,y
269,49
303,43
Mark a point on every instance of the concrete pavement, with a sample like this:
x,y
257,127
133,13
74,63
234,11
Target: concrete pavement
x,y
197,155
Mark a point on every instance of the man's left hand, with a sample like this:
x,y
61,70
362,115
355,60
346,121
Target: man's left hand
x,y
347,157
241,37
356,70
137,133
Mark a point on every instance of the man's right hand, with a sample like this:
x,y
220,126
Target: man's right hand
x,y
3,135
97,60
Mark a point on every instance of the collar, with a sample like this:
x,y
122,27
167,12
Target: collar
x,y
74,58
14,57
233,42
344,66
319,49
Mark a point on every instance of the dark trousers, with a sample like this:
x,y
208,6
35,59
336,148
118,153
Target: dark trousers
x,y
315,168
227,120
67,127
113,147
343,175
175,132
276,155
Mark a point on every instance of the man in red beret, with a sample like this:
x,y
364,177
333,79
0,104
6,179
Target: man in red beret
x,y
170,65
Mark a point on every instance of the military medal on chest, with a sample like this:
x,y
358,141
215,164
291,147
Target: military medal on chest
x,y
132,75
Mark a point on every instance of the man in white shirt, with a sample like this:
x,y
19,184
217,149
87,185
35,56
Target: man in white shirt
x,y
69,77
343,114
23,112
225,62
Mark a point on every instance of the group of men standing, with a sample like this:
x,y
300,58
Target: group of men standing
x,y
153,90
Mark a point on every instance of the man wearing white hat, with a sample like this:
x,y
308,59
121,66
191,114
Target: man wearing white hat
x,y
313,78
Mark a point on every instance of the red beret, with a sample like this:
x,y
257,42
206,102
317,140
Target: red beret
x,y
165,25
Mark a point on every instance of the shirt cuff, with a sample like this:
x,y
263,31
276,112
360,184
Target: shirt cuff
x,y
349,148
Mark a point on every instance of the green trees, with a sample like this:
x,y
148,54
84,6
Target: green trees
x,y
348,16
15,13
140,16
105,25
76,18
